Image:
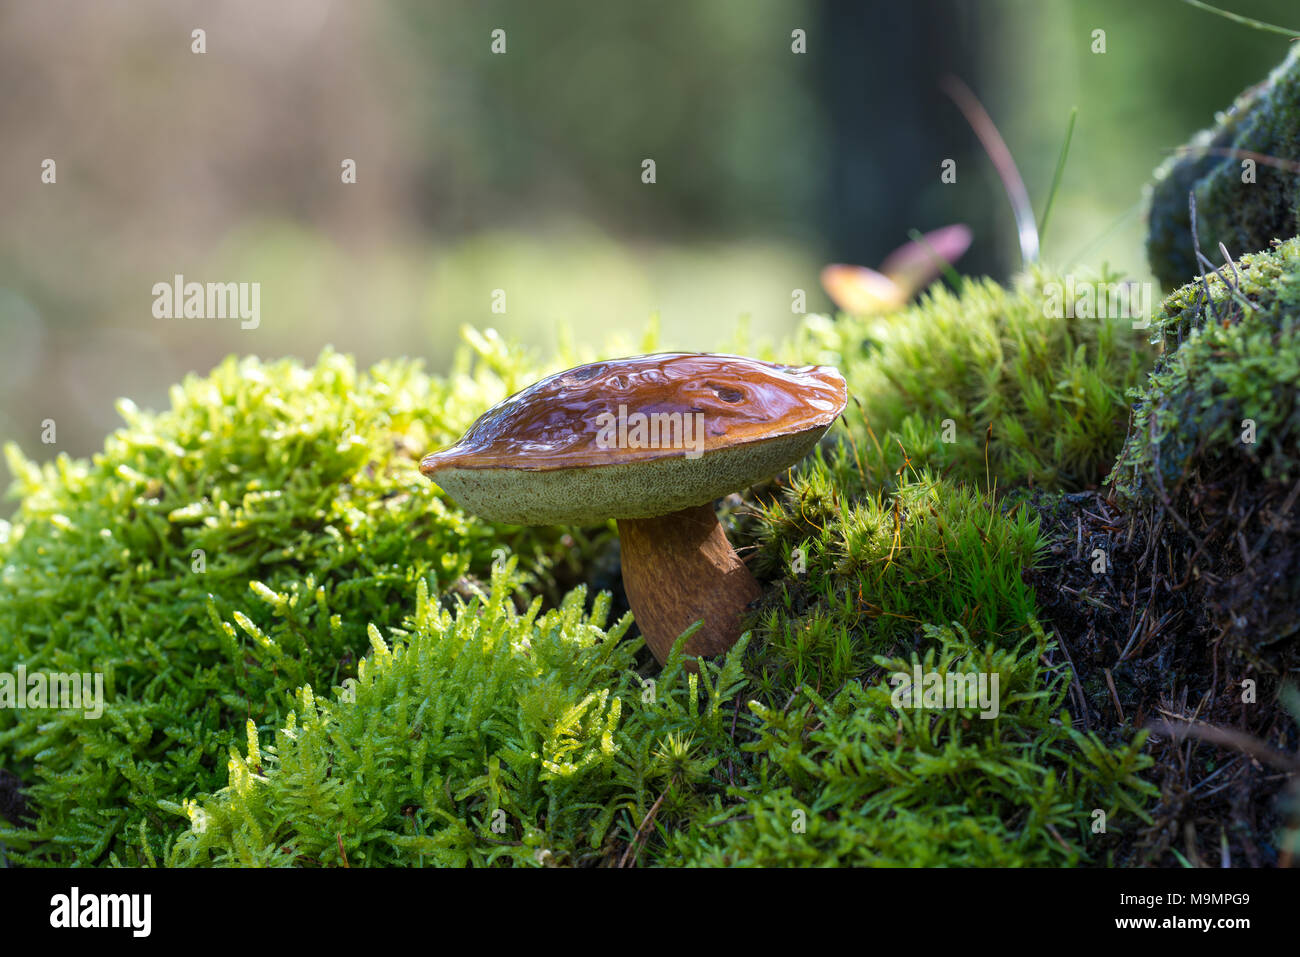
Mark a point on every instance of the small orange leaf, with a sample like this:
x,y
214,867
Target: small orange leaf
x,y
862,291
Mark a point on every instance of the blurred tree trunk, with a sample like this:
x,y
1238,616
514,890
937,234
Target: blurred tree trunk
x,y
891,126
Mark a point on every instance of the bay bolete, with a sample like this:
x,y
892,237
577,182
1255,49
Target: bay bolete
x,y
650,441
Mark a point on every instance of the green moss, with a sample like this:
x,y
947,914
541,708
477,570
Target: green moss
x,y
213,558
483,728
1049,384
479,737
1223,364
540,725
856,575
855,780
1244,216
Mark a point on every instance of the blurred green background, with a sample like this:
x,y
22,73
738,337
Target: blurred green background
x,y
522,171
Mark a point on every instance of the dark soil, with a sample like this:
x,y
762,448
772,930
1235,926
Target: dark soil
x,y
13,805
1198,598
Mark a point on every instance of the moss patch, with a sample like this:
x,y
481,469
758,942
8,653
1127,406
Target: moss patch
x,y
987,383
212,559
335,680
490,736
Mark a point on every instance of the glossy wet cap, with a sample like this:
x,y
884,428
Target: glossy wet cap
x,y
637,437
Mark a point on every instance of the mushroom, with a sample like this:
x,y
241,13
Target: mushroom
x,y
651,441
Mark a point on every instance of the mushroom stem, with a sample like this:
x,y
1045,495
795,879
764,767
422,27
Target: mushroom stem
x,y
678,569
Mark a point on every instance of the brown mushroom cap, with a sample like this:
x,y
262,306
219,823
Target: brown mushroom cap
x,y
544,455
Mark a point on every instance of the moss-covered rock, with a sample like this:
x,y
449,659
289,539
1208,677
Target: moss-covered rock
x,y
1225,393
1215,445
1243,207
